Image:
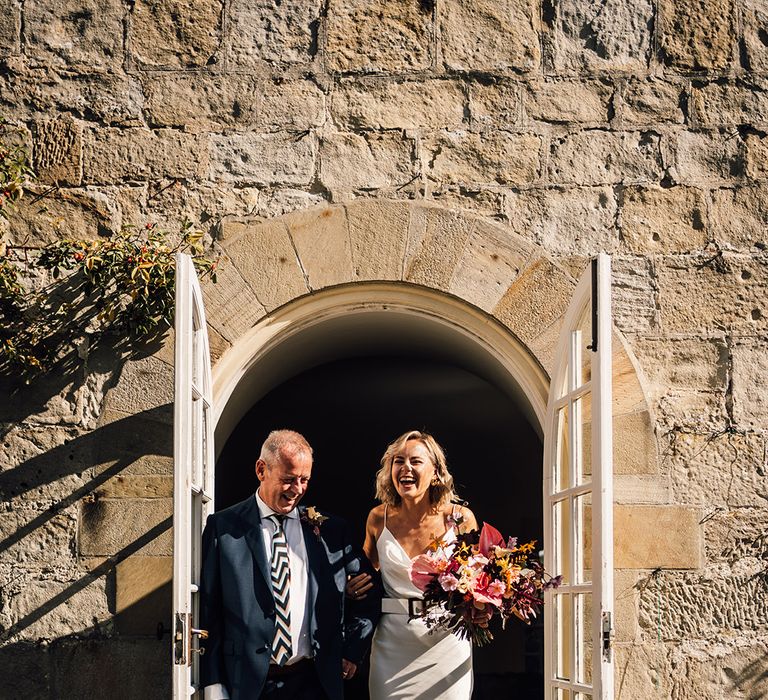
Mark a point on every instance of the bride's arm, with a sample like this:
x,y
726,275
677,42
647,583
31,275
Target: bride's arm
x,y
468,520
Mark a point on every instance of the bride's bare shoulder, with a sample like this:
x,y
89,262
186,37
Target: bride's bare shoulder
x,y
376,517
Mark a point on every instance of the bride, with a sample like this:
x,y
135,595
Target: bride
x,y
416,512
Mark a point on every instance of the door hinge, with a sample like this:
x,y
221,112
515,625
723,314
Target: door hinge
x,y
607,635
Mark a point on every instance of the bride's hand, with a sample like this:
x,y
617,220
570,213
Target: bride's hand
x,y
358,586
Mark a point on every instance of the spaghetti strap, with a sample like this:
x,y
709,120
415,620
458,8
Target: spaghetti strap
x,y
385,514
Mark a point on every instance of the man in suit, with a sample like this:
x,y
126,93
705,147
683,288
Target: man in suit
x,y
272,590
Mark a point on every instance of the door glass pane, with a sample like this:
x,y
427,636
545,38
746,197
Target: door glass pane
x,y
562,528
563,612
583,622
583,538
584,357
563,694
563,455
582,415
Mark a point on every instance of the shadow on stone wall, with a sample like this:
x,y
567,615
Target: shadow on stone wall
x,y
85,545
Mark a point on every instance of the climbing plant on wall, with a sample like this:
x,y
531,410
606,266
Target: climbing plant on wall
x,y
55,298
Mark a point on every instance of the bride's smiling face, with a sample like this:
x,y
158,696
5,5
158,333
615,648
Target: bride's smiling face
x,y
412,470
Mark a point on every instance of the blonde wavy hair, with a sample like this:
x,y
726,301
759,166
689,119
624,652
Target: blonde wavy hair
x,y
439,494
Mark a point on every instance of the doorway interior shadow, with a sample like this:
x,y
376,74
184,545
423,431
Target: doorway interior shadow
x,y
350,409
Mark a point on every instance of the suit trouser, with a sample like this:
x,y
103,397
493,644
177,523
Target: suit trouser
x,y
301,685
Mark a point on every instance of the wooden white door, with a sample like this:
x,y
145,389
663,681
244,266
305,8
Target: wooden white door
x,y
578,498
193,457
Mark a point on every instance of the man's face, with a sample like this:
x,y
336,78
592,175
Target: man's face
x,y
284,481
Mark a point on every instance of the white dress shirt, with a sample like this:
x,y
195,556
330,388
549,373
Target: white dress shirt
x,y
299,604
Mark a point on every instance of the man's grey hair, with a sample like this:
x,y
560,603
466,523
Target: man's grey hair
x,y
283,442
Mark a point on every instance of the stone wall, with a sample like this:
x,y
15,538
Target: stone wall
x,y
637,127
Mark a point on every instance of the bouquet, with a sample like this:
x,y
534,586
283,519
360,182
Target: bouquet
x,y
478,575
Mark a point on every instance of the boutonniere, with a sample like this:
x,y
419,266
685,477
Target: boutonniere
x,y
313,517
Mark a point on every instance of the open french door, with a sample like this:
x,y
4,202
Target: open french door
x,y
193,457
578,498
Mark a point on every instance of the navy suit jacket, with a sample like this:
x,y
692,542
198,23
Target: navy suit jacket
x,y
238,610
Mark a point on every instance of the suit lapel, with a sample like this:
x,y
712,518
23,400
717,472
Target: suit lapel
x,y
255,540
317,560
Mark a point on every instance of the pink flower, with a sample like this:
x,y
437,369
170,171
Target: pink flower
x,y
497,588
424,568
448,582
489,537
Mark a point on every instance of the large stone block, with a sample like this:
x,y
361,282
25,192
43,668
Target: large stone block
x,y
231,305
541,286
374,161
378,36
634,444
129,486
126,526
596,157
567,101
111,155
199,99
493,158
495,104
700,605
38,538
634,302
663,220
436,240
378,234
755,19
487,201
175,34
481,35
707,158
649,101
144,384
577,221
142,594
83,35
725,470
58,151
112,668
697,364
639,543
46,609
750,383
43,463
134,444
643,671
698,34
381,103
267,33
293,105
730,293
613,36
739,217
265,256
111,98
75,213
491,261
729,104
322,245
263,159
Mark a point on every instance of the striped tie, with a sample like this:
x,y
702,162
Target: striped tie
x,y
281,583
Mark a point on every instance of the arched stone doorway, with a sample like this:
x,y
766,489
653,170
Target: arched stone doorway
x,y
310,288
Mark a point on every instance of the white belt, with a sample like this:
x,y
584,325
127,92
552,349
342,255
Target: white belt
x,y
413,607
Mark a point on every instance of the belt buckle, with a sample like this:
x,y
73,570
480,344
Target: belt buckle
x,y
412,603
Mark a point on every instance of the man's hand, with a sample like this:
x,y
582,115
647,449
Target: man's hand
x,y
358,586
348,669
